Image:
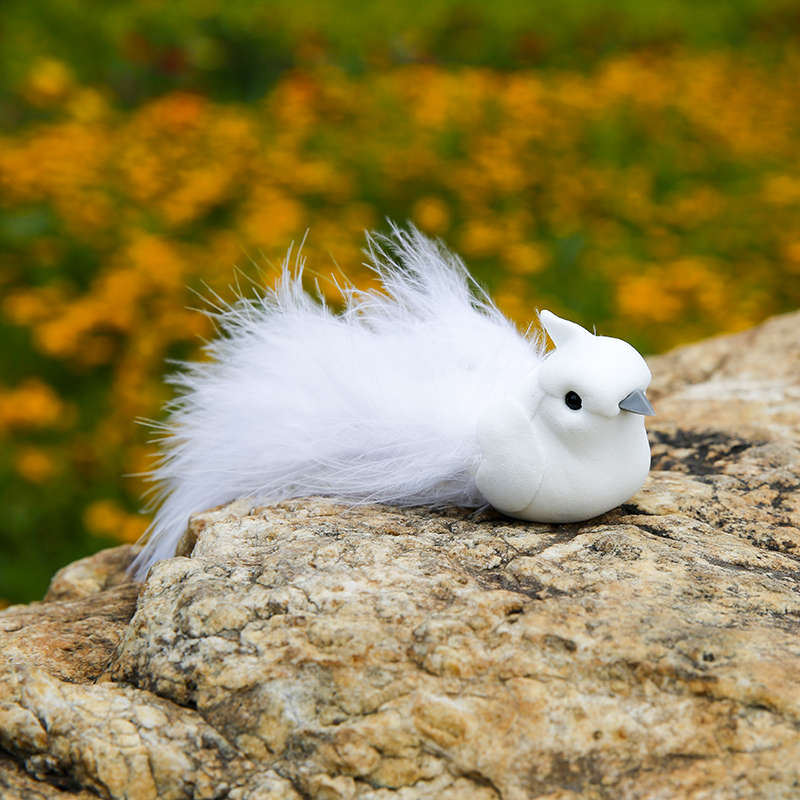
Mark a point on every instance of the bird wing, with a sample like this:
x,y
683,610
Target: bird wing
x,y
513,457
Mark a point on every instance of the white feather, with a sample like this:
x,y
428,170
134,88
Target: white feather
x,y
377,404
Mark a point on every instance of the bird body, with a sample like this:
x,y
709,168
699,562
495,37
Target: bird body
x,y
591,455
423,394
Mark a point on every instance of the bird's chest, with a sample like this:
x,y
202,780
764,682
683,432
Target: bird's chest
x,y
583,479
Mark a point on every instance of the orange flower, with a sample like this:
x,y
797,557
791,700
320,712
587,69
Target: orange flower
x,y
31,405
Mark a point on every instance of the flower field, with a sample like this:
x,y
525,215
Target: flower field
x,y
655,196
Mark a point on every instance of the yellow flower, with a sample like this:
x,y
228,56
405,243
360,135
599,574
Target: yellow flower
x,y
33,404
431,214
47,83
646,298
524,258
107,518
35,464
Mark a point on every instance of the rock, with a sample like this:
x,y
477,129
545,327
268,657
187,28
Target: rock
x,y
747,384
16,784
74,639
104,570
314,650
115,740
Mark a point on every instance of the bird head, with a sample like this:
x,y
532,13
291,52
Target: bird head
x,y
588,380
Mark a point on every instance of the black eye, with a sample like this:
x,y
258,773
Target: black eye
x,y
573,400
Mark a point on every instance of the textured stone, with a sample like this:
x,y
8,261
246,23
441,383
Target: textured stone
x,y
97,573
319,651
747,384
74,631
396,647
118,741
16,784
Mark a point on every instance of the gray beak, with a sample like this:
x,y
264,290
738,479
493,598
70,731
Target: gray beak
x,y
637,403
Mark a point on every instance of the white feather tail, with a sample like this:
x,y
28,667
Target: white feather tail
x,y
376,404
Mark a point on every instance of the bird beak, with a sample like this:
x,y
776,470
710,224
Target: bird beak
x,y
637,403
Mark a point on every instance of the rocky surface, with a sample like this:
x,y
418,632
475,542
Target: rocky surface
x,y
309,650
73,633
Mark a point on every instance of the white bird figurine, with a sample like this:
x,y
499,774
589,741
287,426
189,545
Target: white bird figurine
x,y
424,394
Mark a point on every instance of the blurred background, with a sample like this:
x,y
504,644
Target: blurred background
x,y
633,166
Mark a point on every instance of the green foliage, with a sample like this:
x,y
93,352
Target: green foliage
x,y
239,48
